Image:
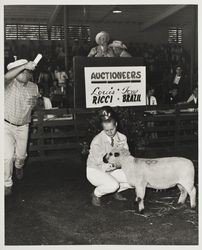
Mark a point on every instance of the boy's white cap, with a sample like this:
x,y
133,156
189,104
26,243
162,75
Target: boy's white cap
x,y
16,64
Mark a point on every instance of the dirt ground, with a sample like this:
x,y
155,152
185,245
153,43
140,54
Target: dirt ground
x,y
51,206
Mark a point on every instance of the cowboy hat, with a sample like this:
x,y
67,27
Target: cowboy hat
x,y
118,44
102,33
16,64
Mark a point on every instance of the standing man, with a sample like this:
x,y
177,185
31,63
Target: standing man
x,y
19,100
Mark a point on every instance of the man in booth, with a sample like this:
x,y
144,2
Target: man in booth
x,y
102,50
119,49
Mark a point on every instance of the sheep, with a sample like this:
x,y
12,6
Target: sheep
x,y
157,173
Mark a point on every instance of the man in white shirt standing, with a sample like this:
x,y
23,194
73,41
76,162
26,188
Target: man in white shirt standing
x,y
19,100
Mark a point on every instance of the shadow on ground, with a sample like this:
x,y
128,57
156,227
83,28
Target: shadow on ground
x,y
51,206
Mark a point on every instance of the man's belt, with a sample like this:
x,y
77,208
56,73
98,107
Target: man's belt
x,y
13,123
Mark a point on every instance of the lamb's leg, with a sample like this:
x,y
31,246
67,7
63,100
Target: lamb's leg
x,y
140,192
183,194
192,193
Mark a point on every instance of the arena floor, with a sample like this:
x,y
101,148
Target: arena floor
x,y
51,206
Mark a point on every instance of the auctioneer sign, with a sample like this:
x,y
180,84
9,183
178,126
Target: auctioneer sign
x,y
115,86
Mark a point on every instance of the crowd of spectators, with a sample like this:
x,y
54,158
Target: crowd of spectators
x,y
167,68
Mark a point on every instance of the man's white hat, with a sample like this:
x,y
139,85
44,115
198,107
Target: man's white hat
x,y
16,64
118,44
102,33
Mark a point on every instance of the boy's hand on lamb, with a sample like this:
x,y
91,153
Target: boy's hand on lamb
x,y
110,167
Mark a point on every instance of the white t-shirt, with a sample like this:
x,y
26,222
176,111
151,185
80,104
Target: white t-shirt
x,y
152,100
47,103
177,79
191,98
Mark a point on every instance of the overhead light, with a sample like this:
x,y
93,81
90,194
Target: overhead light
x,y
117,10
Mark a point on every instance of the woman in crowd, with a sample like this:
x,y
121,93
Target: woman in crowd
x,y
102,50
104,176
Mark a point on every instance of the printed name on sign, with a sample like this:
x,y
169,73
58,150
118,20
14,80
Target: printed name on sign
x,y
102,96
132,98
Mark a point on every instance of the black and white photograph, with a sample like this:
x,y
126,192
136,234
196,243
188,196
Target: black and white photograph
x,y
100,124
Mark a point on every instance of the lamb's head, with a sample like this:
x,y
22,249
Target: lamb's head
x,y
116,156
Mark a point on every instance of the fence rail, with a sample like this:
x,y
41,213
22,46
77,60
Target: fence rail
x,y
54,133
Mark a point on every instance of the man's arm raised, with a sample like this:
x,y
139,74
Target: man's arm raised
x,y
11,74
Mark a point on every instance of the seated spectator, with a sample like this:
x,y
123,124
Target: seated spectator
x,y
193,99
62,77
45,80
56,95
151,99
43,102
172,96
119,49
55,89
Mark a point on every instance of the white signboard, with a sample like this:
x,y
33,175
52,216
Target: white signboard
x,y
115,86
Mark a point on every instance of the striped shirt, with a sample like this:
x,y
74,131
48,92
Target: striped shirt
x,y
16,109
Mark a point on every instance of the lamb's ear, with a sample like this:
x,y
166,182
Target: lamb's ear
x,y
125,152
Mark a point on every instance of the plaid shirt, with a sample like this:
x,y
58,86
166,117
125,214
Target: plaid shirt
x,y
16,109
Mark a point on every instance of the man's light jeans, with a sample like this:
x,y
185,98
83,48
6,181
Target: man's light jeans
x,y
107,182
15,147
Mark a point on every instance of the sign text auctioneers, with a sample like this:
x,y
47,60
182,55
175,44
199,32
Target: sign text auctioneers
x,y
115,86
